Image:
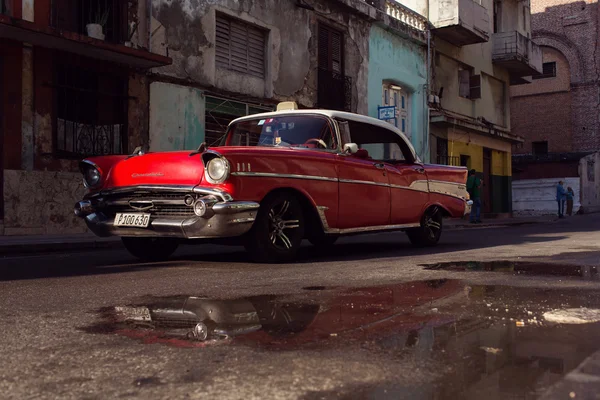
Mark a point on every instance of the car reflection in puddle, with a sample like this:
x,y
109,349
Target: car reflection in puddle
x,y
520,268
482,339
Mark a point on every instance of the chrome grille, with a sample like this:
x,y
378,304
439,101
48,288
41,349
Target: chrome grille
x,y
157,210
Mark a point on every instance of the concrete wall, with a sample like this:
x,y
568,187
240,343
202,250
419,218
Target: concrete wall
x,y
568,104
41,202
589,171
397,60
494,102
176,117
185,30
538,196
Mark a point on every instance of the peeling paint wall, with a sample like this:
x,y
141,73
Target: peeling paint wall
x,y
176,117
41,203
398,60
185,31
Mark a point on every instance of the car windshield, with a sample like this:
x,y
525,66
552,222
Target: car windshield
x,y
305,131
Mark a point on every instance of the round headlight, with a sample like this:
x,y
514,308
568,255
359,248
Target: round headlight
x,y
217,170
91,177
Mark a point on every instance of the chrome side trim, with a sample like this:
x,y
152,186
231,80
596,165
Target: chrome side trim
x,y
321,211
364,182
451,189
290,176
380,228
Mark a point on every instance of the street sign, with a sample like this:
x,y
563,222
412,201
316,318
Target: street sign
x,y
387,112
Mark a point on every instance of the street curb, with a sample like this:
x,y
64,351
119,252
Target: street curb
x,y
499,225
27,248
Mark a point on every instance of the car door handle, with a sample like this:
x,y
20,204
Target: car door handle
x,y
379,165
420,170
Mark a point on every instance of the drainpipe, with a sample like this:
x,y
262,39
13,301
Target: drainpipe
x,y
426,95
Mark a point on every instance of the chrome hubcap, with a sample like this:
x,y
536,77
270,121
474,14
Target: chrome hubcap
x,y
432,225
280,223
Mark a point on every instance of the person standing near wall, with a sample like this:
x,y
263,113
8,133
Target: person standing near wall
x,y
474,189
561,196
570,197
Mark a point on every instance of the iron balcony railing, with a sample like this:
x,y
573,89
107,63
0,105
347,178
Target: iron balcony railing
x,y
334,91
75,15
449,160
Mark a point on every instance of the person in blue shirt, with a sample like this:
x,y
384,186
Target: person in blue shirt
x,y
561,197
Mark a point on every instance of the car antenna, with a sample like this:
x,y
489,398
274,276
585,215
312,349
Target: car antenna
x,y
200,149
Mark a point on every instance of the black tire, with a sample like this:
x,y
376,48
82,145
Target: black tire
x,y
278,230
430,231
150,249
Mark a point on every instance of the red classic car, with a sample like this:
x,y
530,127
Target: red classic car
x,y
273,180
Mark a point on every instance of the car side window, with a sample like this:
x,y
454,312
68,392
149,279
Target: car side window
x,y
382,144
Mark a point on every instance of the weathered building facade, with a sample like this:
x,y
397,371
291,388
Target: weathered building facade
x,y
67,91
345,55
558,114
481,49
82,78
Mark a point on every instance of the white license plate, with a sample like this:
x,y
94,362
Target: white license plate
x,y
136,220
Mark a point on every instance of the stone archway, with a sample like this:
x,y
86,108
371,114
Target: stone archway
x,y
568,49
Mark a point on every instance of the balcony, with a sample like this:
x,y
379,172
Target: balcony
x,y
334,91
460,22
405,15
517,53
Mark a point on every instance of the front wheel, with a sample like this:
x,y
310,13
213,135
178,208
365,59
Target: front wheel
x,y
278,230
430,231
150,249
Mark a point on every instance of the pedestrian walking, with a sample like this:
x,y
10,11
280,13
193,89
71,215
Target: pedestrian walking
x,y
474,189
561,197
570,197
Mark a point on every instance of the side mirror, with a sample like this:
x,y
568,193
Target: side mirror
x,y
350,148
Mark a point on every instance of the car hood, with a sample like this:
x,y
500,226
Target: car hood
x,y
168,168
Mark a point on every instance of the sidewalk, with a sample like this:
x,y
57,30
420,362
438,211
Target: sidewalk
x,y
54,243
464,223
57,243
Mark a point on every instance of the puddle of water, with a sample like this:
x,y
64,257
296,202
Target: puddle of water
x,y
520,268
483,339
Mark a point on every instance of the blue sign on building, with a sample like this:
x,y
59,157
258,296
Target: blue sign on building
x,y
387,112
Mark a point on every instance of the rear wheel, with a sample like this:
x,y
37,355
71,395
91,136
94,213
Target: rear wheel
x,y
278,230
430,231
150,249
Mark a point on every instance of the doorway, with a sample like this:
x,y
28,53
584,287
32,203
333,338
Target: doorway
x,y
486,195
1,139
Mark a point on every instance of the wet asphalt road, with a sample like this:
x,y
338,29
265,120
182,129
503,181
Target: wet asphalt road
x,y
481,315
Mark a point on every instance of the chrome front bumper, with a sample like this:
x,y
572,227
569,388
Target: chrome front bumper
x,y
468,205
223,217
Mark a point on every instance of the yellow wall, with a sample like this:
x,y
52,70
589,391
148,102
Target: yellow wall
x,y
463,143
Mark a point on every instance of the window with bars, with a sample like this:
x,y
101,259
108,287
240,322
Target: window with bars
x,y
240,46
220,112
91,112
548,71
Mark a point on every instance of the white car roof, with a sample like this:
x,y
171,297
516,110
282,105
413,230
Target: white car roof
x,y
333,114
